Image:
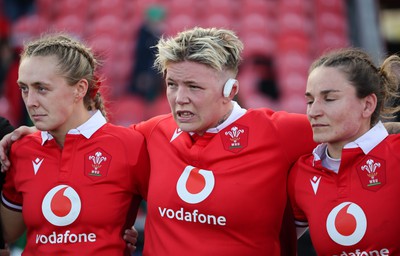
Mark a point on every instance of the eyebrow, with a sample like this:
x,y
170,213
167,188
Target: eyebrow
x,y
324,92
35,84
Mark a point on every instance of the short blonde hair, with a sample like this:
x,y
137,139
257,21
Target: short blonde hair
x,y
219,49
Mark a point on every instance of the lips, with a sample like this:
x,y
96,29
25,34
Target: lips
x,y
184,115
318,125
37,116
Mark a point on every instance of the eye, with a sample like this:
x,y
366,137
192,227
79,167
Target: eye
x,y
309,100
194,87
171,85
23,88
41,89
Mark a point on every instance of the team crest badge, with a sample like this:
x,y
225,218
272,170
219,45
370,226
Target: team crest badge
x,y
372,173
235,137
97,163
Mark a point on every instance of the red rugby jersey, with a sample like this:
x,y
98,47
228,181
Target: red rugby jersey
x,y
78,200
225,193
354,212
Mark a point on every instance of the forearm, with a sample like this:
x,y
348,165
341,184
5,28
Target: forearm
x,y
12,224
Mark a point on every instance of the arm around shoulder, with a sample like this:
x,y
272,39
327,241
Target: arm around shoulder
x,y
7,140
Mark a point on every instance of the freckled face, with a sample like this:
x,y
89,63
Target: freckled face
x,y
333,109
194,92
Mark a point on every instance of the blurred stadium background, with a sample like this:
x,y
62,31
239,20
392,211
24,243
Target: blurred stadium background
x,y
281,39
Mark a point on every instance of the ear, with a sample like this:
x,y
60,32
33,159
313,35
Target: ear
x,y
231,88
370,103
81,89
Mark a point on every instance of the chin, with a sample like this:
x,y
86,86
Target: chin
x,y
319,139
42,127
191,128
186,128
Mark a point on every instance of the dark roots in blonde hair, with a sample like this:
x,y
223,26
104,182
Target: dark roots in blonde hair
x,y
219,49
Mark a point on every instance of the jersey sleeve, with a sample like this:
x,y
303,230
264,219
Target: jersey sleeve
x,y
395,144
139,162
299,216
10,197
147,127
295,134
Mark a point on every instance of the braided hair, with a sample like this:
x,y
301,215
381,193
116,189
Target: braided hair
x,y
76,61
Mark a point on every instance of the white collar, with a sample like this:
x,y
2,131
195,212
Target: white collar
x,y
87,129
366,142
370,139
237,112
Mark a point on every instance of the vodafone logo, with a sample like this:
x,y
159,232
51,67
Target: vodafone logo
x,y
61,205
346,224
194,185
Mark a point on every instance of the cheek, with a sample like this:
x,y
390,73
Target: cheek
x,y
348,127
170,96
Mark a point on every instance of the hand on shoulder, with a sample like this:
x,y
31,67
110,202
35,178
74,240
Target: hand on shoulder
x,y
7,140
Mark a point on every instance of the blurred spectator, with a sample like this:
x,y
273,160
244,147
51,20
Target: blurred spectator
x,y
266,76
6,53
14,9
13,35
146,81
10,99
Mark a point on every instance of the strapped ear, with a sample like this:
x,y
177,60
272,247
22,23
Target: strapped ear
x,y
229,86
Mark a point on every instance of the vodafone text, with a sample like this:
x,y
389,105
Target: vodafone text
x,y
193,216
358,252
66,237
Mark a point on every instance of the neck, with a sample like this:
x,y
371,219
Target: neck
x,y
334,151
60,133
227,114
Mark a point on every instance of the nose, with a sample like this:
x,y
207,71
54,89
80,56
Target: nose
x,y
314,109
30,99
182,95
